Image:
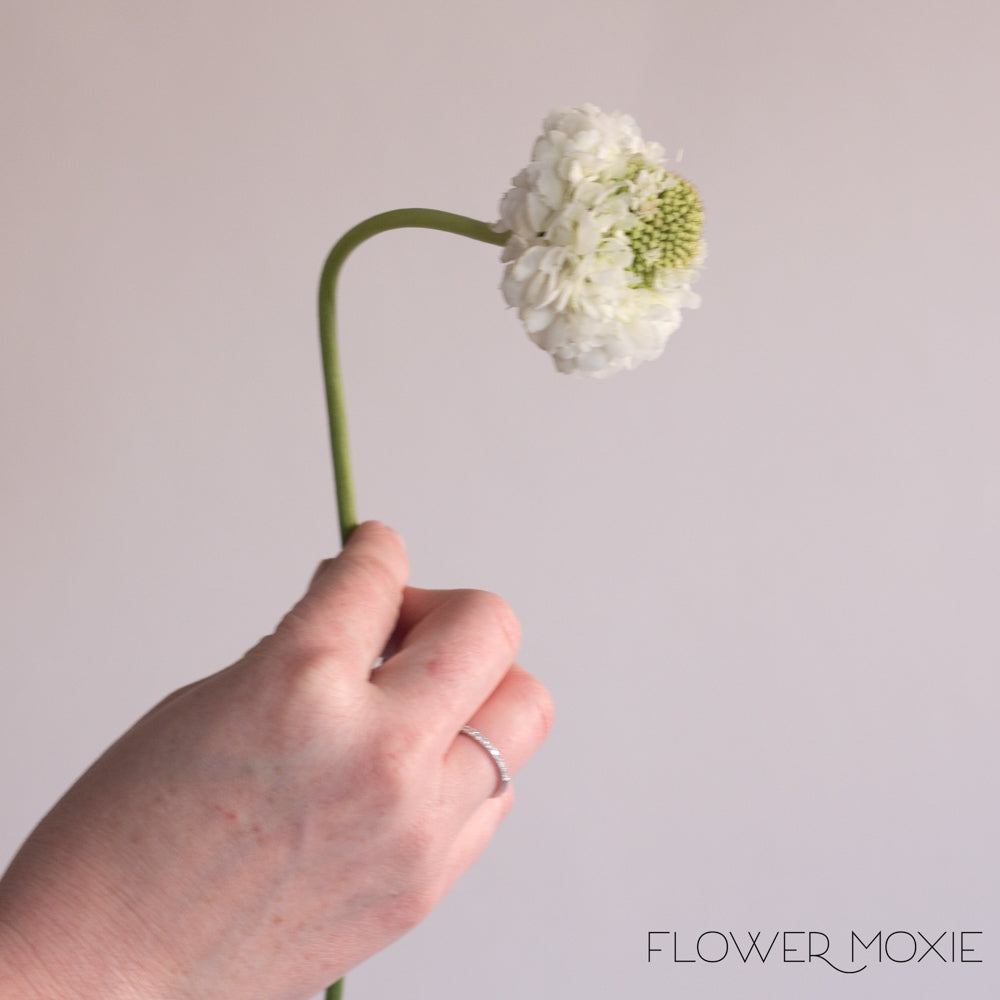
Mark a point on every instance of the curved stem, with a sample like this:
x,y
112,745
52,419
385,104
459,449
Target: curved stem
x,y
402,218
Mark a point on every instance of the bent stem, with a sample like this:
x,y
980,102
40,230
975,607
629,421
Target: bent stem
x,y
401,218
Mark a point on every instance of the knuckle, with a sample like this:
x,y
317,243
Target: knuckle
x,y
389,774
375,546
305,680
375,567
490,608
302,707
385,536
397,758
539,703
384,784
323,568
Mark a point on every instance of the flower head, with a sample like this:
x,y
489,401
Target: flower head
x,y
604,243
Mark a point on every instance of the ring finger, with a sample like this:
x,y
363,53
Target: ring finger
x,y
514,720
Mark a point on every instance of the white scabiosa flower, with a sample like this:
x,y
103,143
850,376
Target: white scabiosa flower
x,y
604,243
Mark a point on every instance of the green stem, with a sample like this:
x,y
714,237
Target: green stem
x,y
402,218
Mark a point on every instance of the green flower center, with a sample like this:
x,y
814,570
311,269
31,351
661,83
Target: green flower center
x,y
668,235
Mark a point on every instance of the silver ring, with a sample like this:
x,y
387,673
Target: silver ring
x,y
503,779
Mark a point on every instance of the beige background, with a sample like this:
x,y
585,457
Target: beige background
x,y
760,576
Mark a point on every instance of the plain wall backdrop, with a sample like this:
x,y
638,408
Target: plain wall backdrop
x,y
760,575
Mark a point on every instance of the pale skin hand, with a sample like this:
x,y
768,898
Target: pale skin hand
x,y
264,830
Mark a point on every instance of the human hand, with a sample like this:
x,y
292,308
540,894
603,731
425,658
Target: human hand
x,y
262,831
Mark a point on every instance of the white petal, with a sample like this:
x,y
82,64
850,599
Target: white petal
x,y
536,319
538,212
527,264
568,258
511,287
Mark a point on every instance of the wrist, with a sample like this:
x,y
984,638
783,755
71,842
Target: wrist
x,y
22,975
52,946
29,972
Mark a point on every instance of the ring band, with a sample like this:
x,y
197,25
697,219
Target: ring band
x,y
503,779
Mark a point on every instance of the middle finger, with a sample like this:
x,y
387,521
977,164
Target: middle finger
x,y
451,659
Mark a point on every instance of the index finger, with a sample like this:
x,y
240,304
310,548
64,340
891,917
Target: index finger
x,y
353,602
